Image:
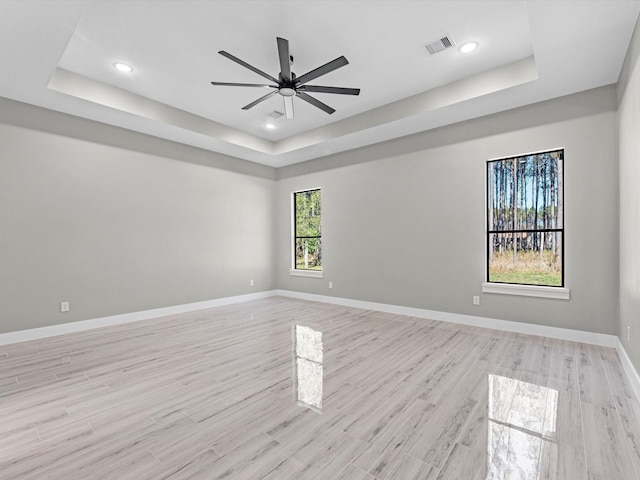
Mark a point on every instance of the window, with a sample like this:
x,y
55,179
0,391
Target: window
x,y
307,245
525,232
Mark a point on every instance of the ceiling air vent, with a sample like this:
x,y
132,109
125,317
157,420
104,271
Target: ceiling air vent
x,y
275,114
440,44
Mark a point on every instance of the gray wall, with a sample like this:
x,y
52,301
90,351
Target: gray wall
x,y
117,222
117,230
404,221
629,158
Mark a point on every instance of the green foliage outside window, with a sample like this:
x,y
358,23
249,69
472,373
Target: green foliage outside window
x,y
308,245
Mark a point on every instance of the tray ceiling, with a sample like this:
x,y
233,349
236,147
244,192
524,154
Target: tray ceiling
x,y
60,55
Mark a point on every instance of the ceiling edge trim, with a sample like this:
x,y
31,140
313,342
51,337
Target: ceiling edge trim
x,y
73,84
501,78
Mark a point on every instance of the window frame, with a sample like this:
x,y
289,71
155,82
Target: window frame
x,y
536,290
302,272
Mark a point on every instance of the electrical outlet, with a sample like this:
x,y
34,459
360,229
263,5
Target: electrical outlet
x,y
476,300
251,283
330,284
64,307
628,333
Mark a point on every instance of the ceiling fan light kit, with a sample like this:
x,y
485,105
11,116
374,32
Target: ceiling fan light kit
x,y
288,85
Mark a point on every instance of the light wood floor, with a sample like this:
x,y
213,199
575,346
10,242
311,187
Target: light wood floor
x,y
219,394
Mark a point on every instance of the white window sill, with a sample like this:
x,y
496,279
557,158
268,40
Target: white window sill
x,y
558,293
306,273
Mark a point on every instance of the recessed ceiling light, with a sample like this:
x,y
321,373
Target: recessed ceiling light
x,y
270,126
468,47
123,67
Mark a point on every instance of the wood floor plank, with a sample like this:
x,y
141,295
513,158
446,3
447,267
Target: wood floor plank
x,y
438,438
560,461
410,468
594,387
466,463
606,450
564,379
354,473
212,394
383,454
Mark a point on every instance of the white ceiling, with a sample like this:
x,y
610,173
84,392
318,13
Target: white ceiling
x,y
60,55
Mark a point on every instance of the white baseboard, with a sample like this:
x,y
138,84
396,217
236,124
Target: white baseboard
x,y
527,328
629,369
79,326
484,322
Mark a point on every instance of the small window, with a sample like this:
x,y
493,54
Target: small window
x,y
525,234
307,245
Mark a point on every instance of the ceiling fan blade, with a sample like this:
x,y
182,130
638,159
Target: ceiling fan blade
x,y
243,84
246,65
339,90
315,103
260,100
283,53
323,70
288,107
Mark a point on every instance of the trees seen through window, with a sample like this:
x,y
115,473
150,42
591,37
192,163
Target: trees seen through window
x,y
525,234
307,236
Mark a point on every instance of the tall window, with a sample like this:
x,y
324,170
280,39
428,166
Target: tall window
x,y
307,248
525,232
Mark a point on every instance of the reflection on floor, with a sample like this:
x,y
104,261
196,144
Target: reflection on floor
x,y
521,427
286,389
307,351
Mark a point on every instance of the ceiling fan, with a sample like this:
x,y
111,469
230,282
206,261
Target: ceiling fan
x,y
288,85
